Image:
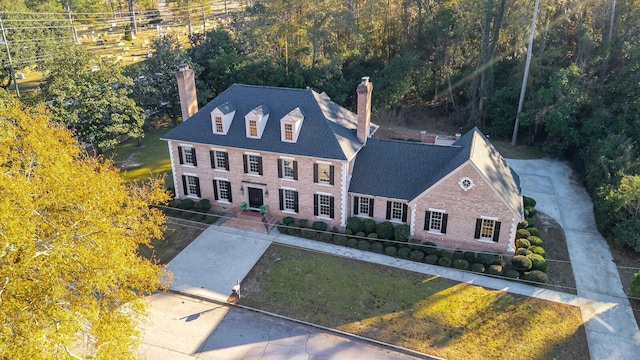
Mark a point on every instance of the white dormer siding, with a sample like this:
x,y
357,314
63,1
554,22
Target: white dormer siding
x,y
255,121
221,118
290,125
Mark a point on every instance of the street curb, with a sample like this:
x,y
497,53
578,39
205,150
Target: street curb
x,y
396,348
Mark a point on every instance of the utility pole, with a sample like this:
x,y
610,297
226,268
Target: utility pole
x,y
73,28
525,77
6,45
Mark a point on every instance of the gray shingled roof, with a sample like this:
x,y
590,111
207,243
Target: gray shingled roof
x,y
403,170
328,130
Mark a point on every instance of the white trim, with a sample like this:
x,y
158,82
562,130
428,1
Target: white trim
x,y
254,175
186,145
323,162
287,158
464,187
190,174
487,241
289,212
252,153
489,218
218,149
433,232
219,178
412,223
437,210
323,193
223,201
288,188
173,170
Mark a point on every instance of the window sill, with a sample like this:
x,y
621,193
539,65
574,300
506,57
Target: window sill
x,y
256,175
324,184
364,216
397,221
288,179
223,202
488,241
325,217
289,212
432,232
189,165
193,196
220,170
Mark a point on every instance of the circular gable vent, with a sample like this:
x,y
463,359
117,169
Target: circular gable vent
x,y
466,183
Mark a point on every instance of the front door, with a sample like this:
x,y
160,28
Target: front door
x,y
255,198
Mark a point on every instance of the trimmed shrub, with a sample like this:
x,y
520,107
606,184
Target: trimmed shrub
x,y
348,232
523,251
308,233
530,210
294,230
528,202
402,232
458,254
513,274
535,240
522,234
538,250
377,246
523,224
282,228
531,223
477,267
203,205
495,270
369,226
364,245
324,236
187,204
489,259
522,243
303,222
443,253
521,263
354,224
288,220
634,290
461,264
444,261
533,231
339,239
431,259
417,243
538,262
391,250
470,256
319,225
416,255
429,248
352,242
335,230
385,230
403,252
536,276
360,234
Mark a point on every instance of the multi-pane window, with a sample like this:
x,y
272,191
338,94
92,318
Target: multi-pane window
x,y
324,205
254,164
223,190
253,128
219,125
324,174
363,206
287,169
486,230
187,155
288,132
397,210
191,185
221,160
289,199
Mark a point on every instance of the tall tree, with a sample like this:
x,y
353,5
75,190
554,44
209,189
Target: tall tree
x,y
91,96
71,282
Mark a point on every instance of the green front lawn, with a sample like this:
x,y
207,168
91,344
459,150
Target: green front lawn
x,y
421,312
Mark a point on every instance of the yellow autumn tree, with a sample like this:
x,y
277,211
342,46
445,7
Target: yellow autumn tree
x,y
71,282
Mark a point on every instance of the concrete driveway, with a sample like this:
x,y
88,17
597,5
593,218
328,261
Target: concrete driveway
x,y
612,332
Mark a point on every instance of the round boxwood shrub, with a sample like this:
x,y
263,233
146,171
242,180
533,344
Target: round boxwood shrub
x,y
340,239
443,253
522,243
523,251
348,232
294,230
538,262
352,242
403,252
402,232
364,245
288,220
319,226
535,241
634,289
523,224
354,224
391,250
488,259
385,230
522,234
360,234
445,261
477,267
431,259
495,270
531,210
308,233
461,264
324,236
417,243
521,263
538,250
470,256
458,254
377,246
203,205
533,231
369,226
429,247
536,276
528,202
513,274
372,236
416,255
531,223
282,228
187,204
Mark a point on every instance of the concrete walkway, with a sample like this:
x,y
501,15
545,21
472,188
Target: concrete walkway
x,y
612,332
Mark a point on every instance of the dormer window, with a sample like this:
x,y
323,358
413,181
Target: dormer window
x,y
290,125
255,121
221,118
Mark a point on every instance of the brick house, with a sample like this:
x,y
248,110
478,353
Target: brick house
x,y
299,154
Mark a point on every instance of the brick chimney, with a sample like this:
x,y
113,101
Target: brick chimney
x,y
187,91
364,109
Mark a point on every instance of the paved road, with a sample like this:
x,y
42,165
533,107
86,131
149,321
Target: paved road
x,y
612,332
181,328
